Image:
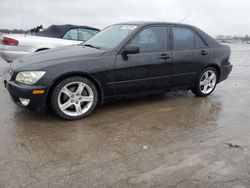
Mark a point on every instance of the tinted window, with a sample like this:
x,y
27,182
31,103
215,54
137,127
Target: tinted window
x,y
199,42
85,34
153,39
183,38
71,34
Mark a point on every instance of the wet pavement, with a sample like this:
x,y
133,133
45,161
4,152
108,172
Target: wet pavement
x,y
172,140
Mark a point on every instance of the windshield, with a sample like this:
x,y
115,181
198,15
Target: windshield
x,y
110,37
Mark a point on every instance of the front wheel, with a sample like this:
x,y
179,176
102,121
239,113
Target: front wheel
x,y
74,98
206,82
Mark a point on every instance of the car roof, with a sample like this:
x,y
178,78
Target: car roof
x,y
144,23
57,31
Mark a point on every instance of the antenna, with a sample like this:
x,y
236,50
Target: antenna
x,y
185,18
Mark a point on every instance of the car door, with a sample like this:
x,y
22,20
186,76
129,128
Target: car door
x,y
190,54
150,68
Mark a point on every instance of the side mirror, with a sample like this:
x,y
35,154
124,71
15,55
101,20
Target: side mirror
x,y
130,50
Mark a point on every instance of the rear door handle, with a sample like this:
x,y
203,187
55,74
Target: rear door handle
x,y
203,52
164,56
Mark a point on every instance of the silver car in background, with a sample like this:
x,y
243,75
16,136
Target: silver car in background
x,y
13,46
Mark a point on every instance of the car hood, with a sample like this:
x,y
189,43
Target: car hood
x,y
38,60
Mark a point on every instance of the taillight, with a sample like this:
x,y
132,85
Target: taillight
x,y
10,41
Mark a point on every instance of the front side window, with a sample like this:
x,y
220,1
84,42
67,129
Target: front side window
x,y
111,37
71,34
85,34
183,38
152,39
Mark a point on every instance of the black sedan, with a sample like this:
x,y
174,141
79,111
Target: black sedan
x,y
127,59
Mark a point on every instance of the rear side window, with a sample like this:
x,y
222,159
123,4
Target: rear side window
x,y
80,34
71,34
199,42
183,38
152,39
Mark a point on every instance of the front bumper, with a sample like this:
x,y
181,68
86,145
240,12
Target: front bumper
x,y
17,91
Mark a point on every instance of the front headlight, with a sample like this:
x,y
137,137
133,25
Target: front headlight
x,y
29,77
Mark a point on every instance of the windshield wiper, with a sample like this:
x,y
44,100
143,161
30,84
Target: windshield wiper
x,y
91,46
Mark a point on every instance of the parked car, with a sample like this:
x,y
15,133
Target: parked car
x,y
13,46
127,59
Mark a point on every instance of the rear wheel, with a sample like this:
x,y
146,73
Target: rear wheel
x,y
206,82
74,98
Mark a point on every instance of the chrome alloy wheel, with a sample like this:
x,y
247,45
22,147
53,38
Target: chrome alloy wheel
x,y
208,81
75,98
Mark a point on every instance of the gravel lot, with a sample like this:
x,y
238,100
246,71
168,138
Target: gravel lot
x,y
172,140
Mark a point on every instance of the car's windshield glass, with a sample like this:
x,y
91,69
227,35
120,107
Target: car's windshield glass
x,y
110,37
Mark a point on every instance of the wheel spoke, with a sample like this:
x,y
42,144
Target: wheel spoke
x,y
78,108
80,88
211,85
202,83
67,92
206,75
205,88
66,105
211,77
87,98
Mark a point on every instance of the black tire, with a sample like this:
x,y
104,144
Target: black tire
x,y
197,88
57,90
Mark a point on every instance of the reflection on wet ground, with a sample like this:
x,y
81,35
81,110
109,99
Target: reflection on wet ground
x,y
171,140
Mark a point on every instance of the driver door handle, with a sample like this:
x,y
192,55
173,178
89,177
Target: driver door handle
x,y
164,56
203,52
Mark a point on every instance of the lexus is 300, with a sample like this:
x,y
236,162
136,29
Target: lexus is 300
x,y
127,59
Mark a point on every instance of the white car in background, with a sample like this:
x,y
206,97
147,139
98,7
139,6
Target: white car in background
x,y
13,46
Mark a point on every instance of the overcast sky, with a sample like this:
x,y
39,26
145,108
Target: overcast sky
x,y
213,16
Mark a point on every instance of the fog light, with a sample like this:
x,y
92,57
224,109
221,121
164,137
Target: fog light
x,y
24,102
